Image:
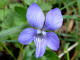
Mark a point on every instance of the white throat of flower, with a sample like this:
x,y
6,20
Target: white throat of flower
x,y
41,32
40,35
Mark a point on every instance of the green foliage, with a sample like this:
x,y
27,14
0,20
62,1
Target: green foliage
x,y
28,2
45,6
30,55
1,14
13,21
3,3
50,55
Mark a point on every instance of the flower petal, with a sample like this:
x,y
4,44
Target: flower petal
x,y
52,41
35,16
40,43
26,36
54,19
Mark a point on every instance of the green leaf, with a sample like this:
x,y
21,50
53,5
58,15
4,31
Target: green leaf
x,y
4,13
21,11
10,31
3,3
12,6
19,18
70,17
1,14
29,54
78,4
46,6
8,20
50,55
28,2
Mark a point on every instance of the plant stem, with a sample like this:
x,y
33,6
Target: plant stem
x,y
69,49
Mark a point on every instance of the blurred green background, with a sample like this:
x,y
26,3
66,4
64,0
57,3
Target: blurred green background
x,y
13,21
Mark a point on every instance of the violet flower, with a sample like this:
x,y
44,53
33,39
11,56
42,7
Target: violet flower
x,y
41,38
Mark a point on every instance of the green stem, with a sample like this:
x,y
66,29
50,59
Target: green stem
x,y
68,56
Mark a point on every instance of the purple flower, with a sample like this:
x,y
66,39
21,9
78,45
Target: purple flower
x,y
42,39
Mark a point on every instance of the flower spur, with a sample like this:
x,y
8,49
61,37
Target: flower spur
x,y
41,38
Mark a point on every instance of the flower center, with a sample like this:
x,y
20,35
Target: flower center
x,y
40,35
40,32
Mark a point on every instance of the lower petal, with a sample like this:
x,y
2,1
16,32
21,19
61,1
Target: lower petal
x,y
26,36
52,41
40,46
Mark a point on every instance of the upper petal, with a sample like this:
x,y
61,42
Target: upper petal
x,y
35,16
52,41
54,19
40,43
26,36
